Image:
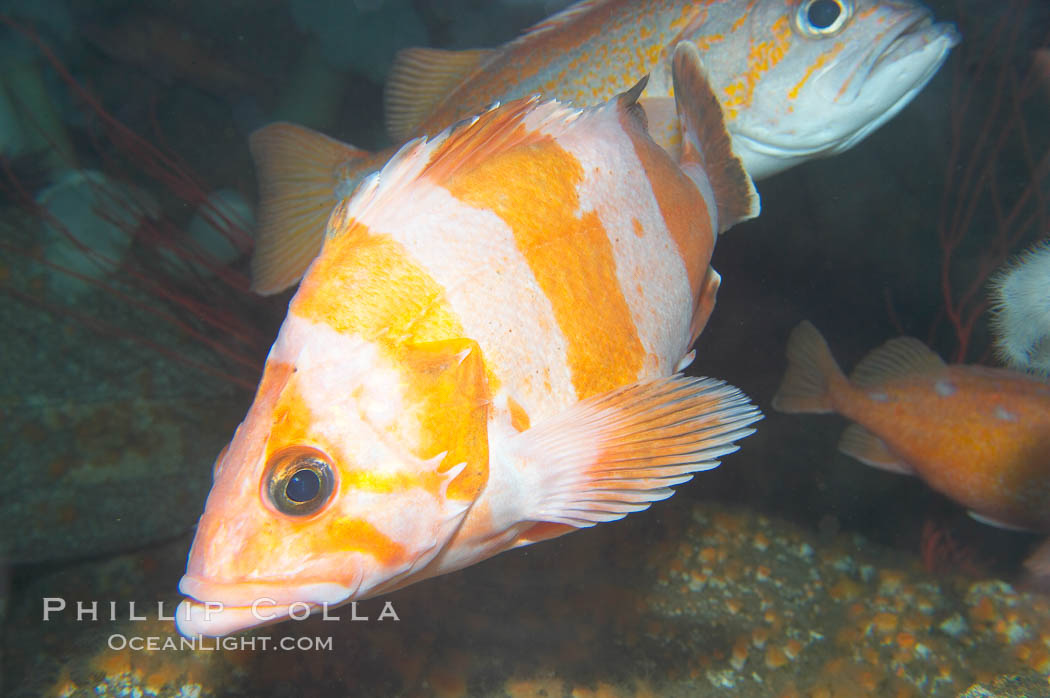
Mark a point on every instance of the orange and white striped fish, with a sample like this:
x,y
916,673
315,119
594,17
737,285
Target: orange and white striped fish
x,y
484,355
976,434
798,80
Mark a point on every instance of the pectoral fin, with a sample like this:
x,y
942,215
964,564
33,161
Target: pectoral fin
x,y
616,453
869,449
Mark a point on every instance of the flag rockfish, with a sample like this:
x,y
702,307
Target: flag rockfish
x,y
979,435
797,80
485,354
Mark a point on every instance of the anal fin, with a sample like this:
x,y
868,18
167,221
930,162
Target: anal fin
x,y
616,453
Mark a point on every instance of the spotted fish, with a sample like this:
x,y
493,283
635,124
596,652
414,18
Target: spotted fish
x,y
979,435
484,355
797,79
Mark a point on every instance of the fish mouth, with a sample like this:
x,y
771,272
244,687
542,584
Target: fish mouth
x,y
914,38
215,609
910,57
892,72
920,32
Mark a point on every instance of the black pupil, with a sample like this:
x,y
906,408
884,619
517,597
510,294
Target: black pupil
x,y
303,486
823,13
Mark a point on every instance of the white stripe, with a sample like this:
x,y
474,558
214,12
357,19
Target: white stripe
x,y
473,255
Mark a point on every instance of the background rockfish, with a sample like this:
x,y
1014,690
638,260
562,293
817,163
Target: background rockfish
x,y
482,356
976,434
797,80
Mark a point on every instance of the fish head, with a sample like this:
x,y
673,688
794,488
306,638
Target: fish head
x,y
351,471
812,78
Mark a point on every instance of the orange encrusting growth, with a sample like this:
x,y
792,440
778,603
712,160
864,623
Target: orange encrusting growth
x,y
570,255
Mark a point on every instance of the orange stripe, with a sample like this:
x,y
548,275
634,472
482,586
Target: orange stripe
x,y
369,285
533,188
449,398
519,418
357,535
682,207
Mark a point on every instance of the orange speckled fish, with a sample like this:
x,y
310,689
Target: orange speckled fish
x,y
484,355
798,79
976,434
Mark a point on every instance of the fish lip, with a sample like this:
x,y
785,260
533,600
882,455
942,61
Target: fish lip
x,y
243,594
919,29
195,619
906,37
916,33
214,609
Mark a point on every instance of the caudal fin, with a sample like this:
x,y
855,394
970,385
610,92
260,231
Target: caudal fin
x,y
706,141
302,175
810,373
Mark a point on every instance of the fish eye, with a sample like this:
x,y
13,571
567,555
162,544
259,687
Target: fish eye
x,y
299,482
823,18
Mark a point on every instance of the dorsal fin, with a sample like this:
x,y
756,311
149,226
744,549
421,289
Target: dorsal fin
x,y
419,79
558,20
496,131
706,143
896,358
459,146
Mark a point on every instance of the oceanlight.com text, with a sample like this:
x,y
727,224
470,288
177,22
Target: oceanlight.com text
x,y
158,643
262,609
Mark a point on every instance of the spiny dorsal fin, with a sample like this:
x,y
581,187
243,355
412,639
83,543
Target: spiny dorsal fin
x,y
461,146
419,79
706,142
896,358
497,131
628,101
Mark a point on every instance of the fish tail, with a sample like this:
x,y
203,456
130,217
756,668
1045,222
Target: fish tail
x,y
302,175
706,142
812,373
